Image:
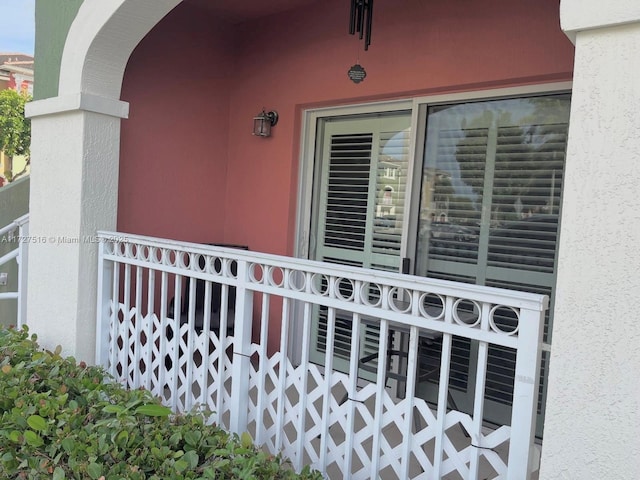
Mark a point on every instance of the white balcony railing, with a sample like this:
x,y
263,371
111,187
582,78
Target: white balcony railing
x,y
16,234
258,376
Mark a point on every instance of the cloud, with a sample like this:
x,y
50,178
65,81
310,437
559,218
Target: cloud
x,y
17,26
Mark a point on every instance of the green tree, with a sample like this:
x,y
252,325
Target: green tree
x,y
15,129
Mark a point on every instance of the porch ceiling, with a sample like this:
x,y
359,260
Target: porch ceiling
x,y
237,12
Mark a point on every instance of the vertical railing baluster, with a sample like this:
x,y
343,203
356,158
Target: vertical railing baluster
x,y
304,376
326,396
103,310
241,350
162,347
352,388
478,402
525,393
124,353
188,403
206,338
151,291
282,373
222,351
114,322
443,392
412,369
137,328
175,359
263,361
380,392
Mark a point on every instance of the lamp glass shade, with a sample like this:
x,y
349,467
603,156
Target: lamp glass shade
x,y
262,125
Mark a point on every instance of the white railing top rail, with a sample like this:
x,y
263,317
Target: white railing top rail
x,y
17,223
479,293
401,299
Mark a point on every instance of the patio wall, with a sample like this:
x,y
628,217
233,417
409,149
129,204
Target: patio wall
x,y
192,172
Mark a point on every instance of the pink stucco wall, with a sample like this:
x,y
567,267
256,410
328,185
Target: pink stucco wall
x,y
190,168
174,155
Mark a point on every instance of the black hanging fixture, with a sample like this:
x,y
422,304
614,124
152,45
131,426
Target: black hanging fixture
x,y
361,19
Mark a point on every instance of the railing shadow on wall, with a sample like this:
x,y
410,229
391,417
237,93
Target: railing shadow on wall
x,y
310,411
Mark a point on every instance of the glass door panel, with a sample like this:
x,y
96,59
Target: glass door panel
x,y
489,211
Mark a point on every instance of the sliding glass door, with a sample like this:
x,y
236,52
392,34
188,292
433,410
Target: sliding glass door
x,y
485,209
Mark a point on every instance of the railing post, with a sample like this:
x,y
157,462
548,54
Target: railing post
x,y
103,310
23,261
525,393
241,362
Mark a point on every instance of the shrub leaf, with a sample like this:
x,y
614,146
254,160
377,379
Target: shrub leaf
x,y
37,423
153,410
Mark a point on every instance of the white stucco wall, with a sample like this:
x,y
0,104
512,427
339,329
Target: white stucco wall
x,y
75,157
72,194
592,424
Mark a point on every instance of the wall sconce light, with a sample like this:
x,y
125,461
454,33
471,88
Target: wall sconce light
x,y
263,122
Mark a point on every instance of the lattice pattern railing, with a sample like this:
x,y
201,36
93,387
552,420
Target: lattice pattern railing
x,y
224,356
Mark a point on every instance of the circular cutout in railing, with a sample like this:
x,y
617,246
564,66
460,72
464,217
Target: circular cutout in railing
x,y
345,289
432,306
297,280
400,300
171,257
371,294
256,273
319,284
199,262
275,276
144,252
230,268
467,312
183,259
109,247
216,265
504,319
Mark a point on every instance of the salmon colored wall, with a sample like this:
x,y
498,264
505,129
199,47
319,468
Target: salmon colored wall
x,y
190,168
174,155
417,47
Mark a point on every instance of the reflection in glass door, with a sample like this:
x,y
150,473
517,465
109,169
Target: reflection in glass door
x,y
489,209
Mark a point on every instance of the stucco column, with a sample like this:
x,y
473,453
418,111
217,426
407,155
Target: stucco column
x,y
74,191
592,428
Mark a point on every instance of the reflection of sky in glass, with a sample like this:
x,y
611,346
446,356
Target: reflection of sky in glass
x,y
393,148
460,117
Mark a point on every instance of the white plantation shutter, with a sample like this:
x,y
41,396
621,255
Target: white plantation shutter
x,y
360,213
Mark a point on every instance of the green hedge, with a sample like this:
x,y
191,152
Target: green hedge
x,y
62,420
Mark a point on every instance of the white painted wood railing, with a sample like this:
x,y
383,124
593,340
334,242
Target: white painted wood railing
x,y
314,414
17,232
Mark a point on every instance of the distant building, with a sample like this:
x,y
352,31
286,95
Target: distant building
x,y
16,73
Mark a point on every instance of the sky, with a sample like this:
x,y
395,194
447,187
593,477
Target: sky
x,y
17,26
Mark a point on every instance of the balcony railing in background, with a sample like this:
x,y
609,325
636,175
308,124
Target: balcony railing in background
x,y
16,234
241,349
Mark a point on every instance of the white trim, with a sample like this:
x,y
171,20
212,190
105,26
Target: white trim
x,y
78,101
539,88
100,41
